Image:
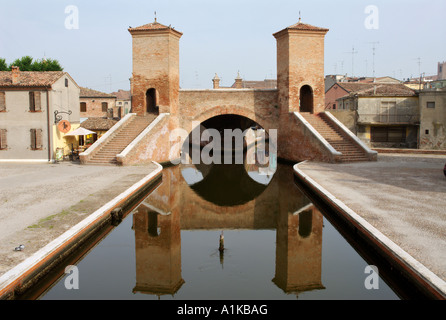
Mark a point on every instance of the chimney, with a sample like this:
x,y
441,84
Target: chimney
x,y
238,81
216,82
15,74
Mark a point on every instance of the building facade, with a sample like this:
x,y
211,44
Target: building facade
x,y
432,118
387,115
123,102
37,109
96,104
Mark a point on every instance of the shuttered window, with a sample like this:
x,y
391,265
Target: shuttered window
x,y
3,141
388,134
36,139
104,106
83,107
2,101
35,103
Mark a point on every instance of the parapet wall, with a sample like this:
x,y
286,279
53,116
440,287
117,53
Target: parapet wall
x,y
256,104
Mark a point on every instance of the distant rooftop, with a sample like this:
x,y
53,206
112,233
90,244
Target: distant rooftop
x,y
122,94
90,93
96,123
377,89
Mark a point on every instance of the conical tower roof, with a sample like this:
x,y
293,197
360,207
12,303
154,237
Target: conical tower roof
x,y
300,26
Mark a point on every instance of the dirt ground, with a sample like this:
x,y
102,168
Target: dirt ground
x,y
403,196
39,202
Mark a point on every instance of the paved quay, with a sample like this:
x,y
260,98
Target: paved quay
x,y
39,202
401,195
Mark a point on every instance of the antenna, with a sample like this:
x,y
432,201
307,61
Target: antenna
x,y
419,70
353,52
373,53
419,65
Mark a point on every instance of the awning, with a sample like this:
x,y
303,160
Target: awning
x,y
80,132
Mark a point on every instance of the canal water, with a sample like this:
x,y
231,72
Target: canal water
x,y
277,244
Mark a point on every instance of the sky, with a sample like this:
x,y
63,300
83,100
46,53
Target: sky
x,y
91,41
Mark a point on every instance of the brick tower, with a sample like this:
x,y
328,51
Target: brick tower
x,y
300,68
155,76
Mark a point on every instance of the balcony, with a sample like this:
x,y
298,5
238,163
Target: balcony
x,y
389,118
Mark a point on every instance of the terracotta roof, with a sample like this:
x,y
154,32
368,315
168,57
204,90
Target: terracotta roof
x,y
31,78
378,89
122,94
152,26
354,86
98,124
304,26
90,93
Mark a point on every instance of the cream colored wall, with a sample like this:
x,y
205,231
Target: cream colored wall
x,y
433,120
18,120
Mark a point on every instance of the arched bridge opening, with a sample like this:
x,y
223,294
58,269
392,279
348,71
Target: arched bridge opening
x,y
231,163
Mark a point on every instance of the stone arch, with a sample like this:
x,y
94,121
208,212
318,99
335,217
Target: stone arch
x,y
231,110
152,101
306,99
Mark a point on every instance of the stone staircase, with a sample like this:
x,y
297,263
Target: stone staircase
x,y
351,152
120,140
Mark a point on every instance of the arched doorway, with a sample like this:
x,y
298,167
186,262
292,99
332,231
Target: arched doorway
x,y
306,99
151,101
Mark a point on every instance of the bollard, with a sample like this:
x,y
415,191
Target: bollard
x,y
221,248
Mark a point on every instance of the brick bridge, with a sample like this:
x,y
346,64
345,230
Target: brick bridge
x,y
295,109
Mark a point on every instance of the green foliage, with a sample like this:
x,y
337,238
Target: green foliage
x,y
3,65
27,63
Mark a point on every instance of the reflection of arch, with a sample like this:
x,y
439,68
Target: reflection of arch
x,y
151,101
228,187
305,223
306,99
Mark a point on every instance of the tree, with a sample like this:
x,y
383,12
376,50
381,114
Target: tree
x,y
27,63
23,63
3,65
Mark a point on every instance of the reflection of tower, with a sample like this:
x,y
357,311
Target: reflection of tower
x,y
158,251
299,250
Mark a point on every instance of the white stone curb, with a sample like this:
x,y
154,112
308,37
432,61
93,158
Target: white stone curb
x,y
15,274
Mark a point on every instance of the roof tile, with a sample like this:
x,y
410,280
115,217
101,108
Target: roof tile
x,y
30,78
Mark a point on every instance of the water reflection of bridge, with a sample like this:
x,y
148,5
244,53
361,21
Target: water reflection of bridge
x,y
175,206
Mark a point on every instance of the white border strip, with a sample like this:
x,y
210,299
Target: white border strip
x,y
412,263
15,273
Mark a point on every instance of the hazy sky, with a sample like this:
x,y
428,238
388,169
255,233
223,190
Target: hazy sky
x,y
224,37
